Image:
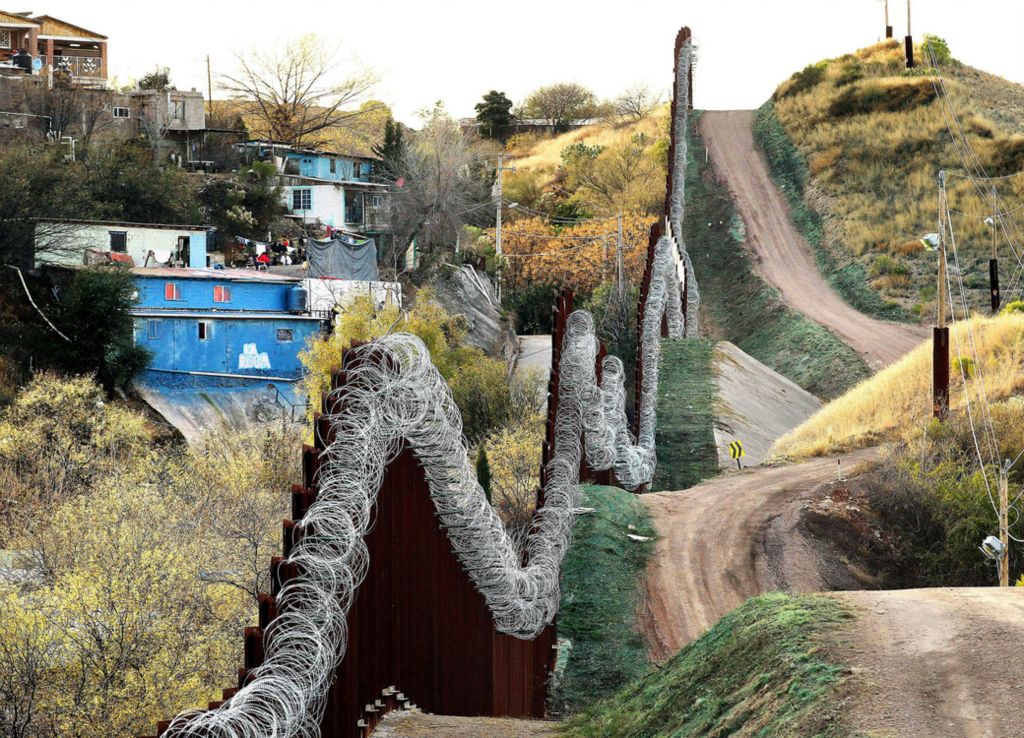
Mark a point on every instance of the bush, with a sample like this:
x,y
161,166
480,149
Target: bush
x,y
532,306
851,71
95,314
935,50
808,77
882,97
490,398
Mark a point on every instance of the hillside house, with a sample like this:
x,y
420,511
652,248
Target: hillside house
x,y
77,242
225,347
222,322
54,45
326,188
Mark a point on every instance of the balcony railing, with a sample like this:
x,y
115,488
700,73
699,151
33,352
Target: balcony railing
x,y
78,66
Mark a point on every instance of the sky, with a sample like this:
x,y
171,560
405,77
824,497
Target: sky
x,y
455,51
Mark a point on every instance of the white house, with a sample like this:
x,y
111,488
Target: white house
x,y
76,242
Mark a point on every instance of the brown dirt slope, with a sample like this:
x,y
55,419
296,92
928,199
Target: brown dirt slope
x,y
784,257
416,724
732,538
934,663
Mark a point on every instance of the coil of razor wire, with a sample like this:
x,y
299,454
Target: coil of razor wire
x,y
393,394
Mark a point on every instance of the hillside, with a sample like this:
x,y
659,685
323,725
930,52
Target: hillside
x,y
544,153
857,142
898,398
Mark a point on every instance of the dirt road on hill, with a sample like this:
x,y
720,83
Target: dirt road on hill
x,y
784,258
717,547
934,663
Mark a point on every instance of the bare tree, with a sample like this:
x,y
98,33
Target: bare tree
x,y
290,92
637,102
561,103
68,107
442,183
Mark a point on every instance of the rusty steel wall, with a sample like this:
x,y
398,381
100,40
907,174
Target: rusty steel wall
x,y
419,632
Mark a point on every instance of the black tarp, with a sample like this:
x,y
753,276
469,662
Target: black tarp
x,y
343,258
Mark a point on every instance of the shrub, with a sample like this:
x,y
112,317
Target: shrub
x,y
935,50
882,97
808,77
489,398
532,306
851,71
887,265
95,314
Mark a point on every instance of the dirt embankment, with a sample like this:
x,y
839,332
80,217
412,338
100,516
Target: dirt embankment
x,y
784,258
735,537
416,724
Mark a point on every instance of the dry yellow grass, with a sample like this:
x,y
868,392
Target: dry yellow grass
x,y
546,154
898,398
874,174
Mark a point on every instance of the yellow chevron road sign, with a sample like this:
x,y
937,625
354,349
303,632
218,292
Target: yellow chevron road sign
x,y
736,450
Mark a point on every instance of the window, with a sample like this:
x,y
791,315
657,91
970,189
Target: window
x,y
285,335
122,112
302,198
221,293
119,241
177,109
204,329
172,291
377,201
5,39
152,329
334,166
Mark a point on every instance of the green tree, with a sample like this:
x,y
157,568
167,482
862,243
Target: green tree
x,y
244,205
391,151
483,471
493,113
95,315
561,103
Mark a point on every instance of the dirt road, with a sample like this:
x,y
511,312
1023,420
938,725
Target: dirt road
x,y
784,257
934,663
713,553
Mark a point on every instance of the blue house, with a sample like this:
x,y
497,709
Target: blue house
x,y
234,323
325,187
216,334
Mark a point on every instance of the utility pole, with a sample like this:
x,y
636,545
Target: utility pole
x,y
209,87
620,269
993,263
1004,524
940,334
888,28
497,221
909,41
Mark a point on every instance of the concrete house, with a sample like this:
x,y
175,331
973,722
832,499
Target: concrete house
x,y
326,188
222,322
77,242
225,346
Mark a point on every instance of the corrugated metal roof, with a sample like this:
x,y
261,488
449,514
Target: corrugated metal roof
x,y
237,275
127,223
220,315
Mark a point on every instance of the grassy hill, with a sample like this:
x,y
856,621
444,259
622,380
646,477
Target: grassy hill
x,y
898,399
857,142
759,672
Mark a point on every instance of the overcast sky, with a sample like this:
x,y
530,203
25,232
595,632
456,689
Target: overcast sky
x,y
455,50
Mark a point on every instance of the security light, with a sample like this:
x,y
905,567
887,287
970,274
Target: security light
x,y
992,547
